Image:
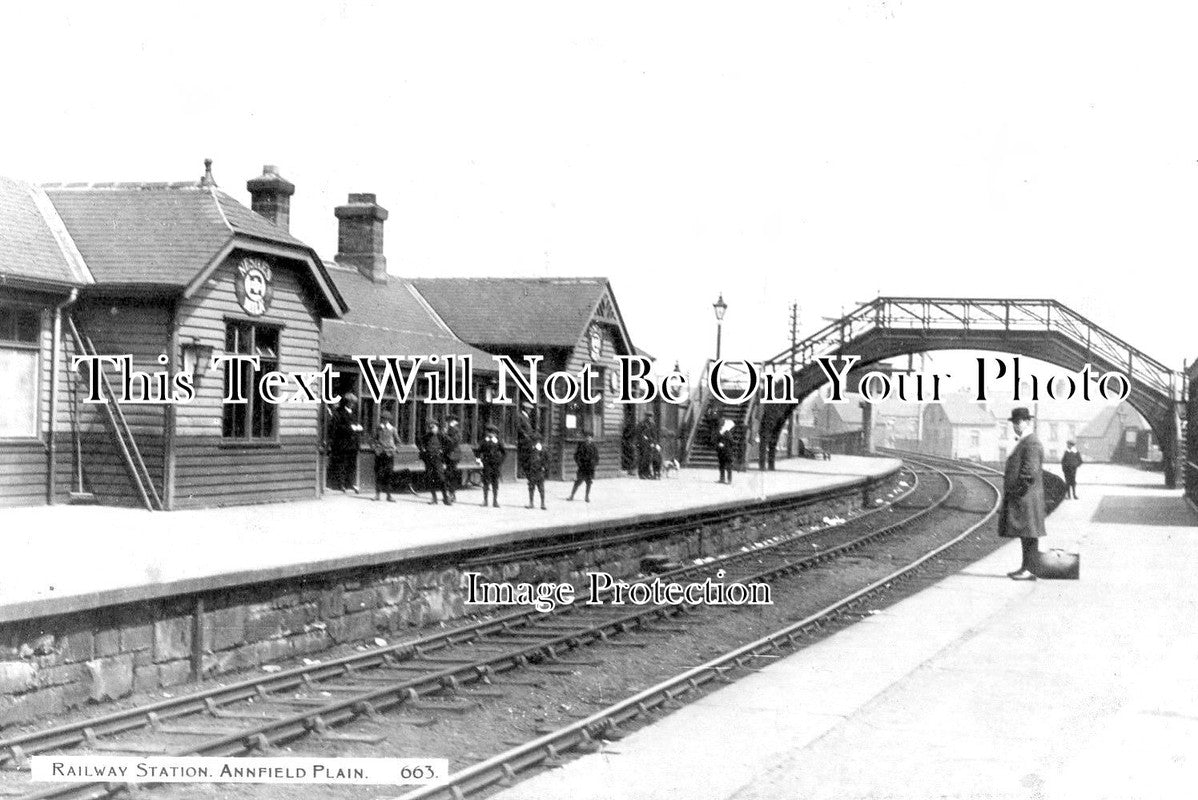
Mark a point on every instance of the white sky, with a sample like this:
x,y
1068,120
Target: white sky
x,y
769,151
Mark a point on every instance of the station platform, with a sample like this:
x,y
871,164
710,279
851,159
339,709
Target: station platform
x,y
978,687
61,559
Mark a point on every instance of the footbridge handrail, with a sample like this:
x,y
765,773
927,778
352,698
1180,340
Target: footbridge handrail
x,y
981,315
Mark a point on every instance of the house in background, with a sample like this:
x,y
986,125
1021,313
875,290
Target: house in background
x,y
1118,435
1056,422
897,424
893,423
959,428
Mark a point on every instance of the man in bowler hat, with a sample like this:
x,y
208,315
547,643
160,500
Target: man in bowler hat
x,y
1022,513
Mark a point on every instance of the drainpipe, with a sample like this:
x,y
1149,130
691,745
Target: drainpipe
x,y
56,356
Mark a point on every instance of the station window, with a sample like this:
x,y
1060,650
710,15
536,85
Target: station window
x,y
367,416
19,331
254,419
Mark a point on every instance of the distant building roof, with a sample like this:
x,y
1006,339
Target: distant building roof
x,y
390,319
1045,410
1101,424
850,413
35,246
897,408
515,312
965,412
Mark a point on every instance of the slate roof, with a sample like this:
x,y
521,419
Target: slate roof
x,y
390,319
34,245
965,412
156,234
897,408
1098,427
514,312
850,413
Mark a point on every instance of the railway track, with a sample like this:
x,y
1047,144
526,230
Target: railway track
x,y
432,674
584,734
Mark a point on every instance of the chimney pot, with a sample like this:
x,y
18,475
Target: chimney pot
x,y
360,235
270,196
206,179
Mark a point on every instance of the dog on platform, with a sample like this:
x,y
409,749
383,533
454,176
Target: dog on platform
x,y
671,466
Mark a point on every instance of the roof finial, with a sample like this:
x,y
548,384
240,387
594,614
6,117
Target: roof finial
x,y
207,180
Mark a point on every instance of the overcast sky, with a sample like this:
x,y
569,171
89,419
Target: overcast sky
x,y
771,152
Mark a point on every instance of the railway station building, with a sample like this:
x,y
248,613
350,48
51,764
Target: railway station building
x,y
41,273
568,322
388,317
169,274
173,274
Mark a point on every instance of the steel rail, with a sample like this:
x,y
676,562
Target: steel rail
x,y
380,698
583,732
17,748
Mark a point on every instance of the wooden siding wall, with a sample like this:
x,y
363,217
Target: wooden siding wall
x,y
211,470
116,327
24,463
610,443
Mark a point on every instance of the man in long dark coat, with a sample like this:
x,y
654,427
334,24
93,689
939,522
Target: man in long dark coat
x,y
345,436
452,440
646,442
432,453
586,457
526,430
1022,513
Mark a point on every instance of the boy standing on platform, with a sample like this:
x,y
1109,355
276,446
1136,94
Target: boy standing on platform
x,y
535,469
586,456
386,443
1070,461
492,453
724,445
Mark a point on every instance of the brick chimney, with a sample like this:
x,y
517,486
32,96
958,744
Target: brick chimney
x,y
270,196
360,236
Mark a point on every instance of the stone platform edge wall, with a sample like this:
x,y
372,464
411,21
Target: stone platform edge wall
x,y
54,664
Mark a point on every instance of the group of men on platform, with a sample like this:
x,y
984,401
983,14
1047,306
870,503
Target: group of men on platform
x,y
442,451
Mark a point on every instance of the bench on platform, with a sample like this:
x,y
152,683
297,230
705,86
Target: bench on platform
x,y
409,474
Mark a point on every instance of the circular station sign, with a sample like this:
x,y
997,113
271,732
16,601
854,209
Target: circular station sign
x,y
253,285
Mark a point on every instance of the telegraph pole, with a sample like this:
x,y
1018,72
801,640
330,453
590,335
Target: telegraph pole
x,y
792,430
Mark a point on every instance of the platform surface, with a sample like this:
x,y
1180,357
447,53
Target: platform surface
x,y
66,558
978,687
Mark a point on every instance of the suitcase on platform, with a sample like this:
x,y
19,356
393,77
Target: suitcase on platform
x,y
1058,565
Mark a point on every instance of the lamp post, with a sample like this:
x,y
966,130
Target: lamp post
x,y
720,307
